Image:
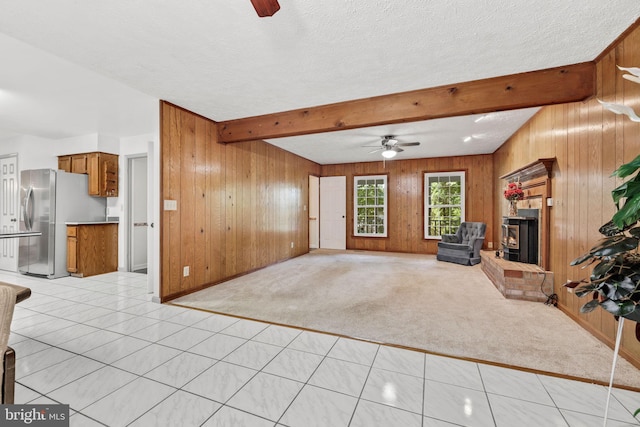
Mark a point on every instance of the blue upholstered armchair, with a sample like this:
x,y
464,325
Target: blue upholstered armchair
x,y
464,246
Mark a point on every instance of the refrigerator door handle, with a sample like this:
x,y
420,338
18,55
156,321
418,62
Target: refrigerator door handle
x,y
28,203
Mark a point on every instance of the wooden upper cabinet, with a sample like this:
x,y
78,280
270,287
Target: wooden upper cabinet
x,y
64,163
102,169
79,163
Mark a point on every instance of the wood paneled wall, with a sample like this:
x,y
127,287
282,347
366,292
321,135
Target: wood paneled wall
x,y
589,143
239,206
406,199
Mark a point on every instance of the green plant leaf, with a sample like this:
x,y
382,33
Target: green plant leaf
x,y
629,214
627,308
611,306
602,268
614,291
606,242
625,282
628,168
635,414
634,315
627,189
614,245
581,259
584,291
590,306
635,231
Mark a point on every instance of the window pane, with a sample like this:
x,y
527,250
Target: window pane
x,y
444,203
370,197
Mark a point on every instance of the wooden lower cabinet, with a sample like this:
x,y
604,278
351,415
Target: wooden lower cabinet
x,y
92,249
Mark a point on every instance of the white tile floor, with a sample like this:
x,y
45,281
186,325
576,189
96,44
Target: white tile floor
x,y
98,345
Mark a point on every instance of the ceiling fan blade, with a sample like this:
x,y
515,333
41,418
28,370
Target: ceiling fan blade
x,y
398,149
376,150
265,7
408,144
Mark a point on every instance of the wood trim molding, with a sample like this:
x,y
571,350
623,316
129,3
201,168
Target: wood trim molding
x,y
558,85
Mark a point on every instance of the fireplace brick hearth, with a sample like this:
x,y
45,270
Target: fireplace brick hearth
x,y
516,280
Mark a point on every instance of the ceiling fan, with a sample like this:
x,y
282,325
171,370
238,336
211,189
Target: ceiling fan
x,y
390,146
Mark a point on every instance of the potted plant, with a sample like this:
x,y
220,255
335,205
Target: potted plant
x,y
513,193
615,279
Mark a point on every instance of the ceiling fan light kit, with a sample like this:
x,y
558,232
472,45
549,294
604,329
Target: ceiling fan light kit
x,y
390,146
389,154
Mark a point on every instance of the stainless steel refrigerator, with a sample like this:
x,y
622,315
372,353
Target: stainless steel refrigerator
x,y
48,200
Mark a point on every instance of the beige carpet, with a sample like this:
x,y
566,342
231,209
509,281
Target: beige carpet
x,y
415,301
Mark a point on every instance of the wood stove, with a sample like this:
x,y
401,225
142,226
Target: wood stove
x,y
520,239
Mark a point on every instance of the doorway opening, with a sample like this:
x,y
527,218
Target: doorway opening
x,y
137,223
314,212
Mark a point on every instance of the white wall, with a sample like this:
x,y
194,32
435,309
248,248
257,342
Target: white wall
x,y
108,144
41,153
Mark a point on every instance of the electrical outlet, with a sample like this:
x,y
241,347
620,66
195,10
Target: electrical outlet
x,y
490,245
291,245
185,271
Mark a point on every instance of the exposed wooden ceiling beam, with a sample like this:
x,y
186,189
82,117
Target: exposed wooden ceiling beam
x,y
537,88
265,7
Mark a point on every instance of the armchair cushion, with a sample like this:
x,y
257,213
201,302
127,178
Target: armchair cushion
x,y
464,246
450,238
7,304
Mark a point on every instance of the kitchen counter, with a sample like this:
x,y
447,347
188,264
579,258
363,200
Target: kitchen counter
x,y
91,222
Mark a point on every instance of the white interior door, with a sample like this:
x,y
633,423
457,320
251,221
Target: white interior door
x,y
333,212
314,212
9,212
138,215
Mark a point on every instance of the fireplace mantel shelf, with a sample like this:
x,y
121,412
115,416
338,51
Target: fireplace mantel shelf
x,y
541,167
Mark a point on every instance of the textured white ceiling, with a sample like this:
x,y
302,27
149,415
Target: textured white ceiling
x,y
217,58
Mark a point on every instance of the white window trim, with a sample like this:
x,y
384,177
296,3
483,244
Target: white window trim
x,y
428,175
355,205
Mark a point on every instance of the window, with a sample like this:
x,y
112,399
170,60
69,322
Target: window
x,y
370,206
443,203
